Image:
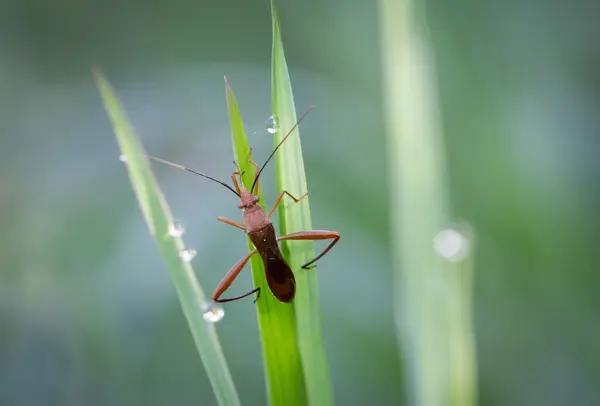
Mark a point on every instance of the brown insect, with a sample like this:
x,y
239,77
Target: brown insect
x,y
259,228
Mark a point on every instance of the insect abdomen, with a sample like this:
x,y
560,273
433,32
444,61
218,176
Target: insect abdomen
x,y
278,273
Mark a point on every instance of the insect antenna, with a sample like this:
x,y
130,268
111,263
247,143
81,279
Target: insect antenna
x,y
278,145
192,171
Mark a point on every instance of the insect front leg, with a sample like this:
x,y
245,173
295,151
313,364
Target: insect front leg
x,y
285,192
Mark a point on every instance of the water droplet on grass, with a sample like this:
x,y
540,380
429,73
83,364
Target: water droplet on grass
x,y
176,229
187,254
451,245
212,312
272,124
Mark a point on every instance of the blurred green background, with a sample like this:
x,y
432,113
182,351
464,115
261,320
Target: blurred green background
x,y
519,86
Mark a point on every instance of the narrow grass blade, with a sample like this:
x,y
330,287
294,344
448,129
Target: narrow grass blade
x,y
293,218
160,221
283,368
432,292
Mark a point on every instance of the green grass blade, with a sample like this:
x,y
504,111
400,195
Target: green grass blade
x,y
463,363
159,220
294,218
432,289
283,368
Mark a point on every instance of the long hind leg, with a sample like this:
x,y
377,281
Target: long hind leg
x,y
313,235
230,277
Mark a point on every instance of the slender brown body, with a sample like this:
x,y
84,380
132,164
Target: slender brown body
x,y
257,224
262,234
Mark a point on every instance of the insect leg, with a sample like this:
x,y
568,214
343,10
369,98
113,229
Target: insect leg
x,y
256,171
233,223
235,182
231,299
285,192
313,235
230,277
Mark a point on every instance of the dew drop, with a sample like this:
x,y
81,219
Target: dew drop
x,y
187,254
212,312
451,245
272,124
176,229
122,158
